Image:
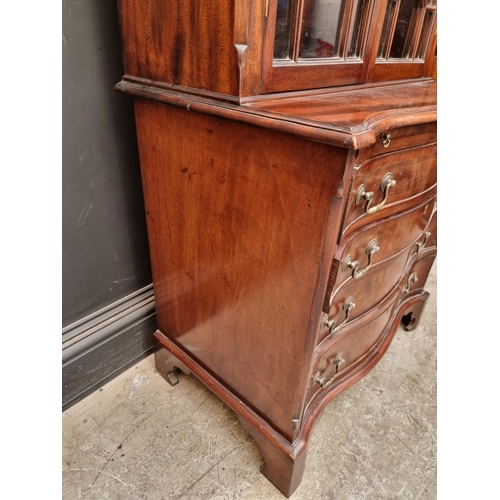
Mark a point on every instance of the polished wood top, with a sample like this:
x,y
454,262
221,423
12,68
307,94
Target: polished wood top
x,y
354,109
351,117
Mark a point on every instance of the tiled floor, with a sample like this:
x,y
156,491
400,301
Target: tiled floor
x,y
140,438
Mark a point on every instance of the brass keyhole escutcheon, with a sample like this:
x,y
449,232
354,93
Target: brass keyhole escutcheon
x,y
385,139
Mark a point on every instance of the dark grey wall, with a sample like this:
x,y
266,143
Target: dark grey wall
x,y
105,252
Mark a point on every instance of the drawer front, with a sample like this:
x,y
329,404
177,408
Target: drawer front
x,y
356,297
429,239
347,351
401,138
419,271
388,184
379,241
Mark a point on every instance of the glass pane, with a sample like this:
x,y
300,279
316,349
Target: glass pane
x,y
384,39
354,49
321,23
282,34
404,28
426,34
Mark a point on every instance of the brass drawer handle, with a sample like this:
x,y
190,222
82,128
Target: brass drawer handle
x,y
371,249
339,360
387,183
385,139
421,244
330,323
413,278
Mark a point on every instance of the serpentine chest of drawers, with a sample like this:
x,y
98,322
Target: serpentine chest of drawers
x,y
290,232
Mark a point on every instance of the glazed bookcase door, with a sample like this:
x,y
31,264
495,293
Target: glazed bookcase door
x,y
329,30
316,43
322,43
407,41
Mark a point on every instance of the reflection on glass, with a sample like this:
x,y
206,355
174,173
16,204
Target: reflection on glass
x,y
389,13
404,28
282,34
354,49
426,34
321,21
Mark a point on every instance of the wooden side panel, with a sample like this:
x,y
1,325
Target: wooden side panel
x,y
236,219
184,43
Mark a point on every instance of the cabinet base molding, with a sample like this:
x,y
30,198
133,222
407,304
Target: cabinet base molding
x,y
285,462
